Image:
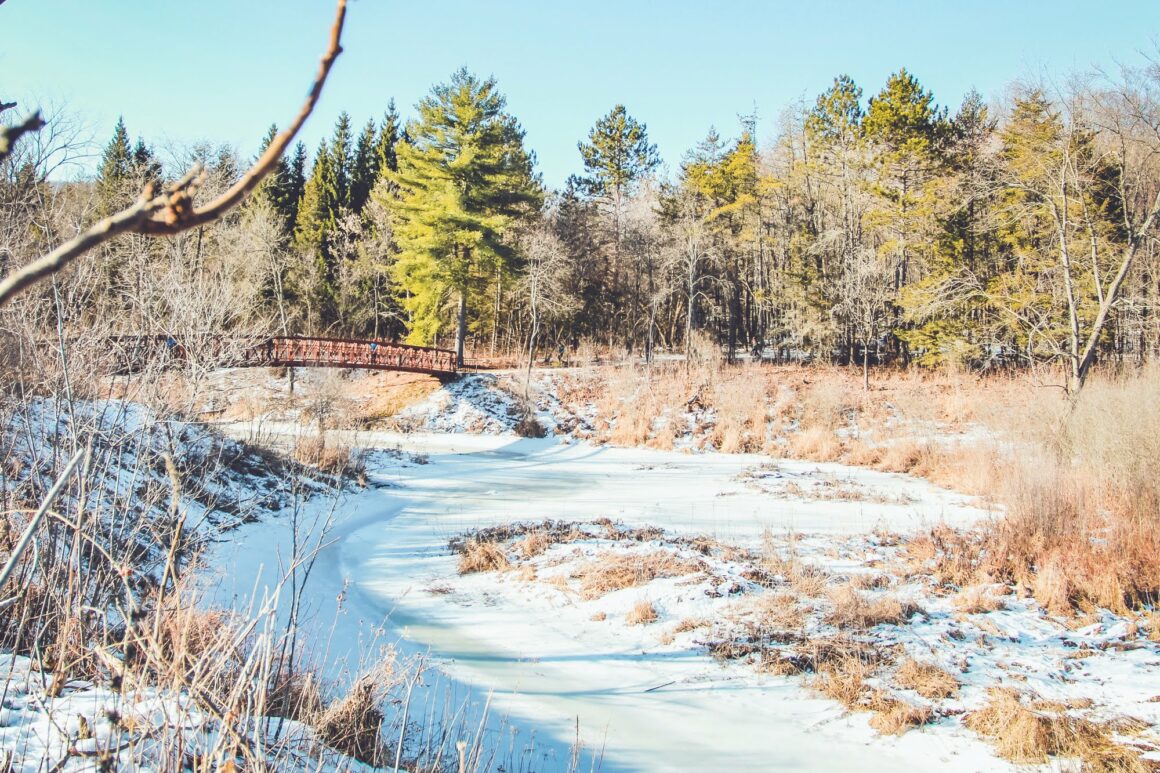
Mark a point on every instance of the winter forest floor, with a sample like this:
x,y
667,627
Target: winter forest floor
x,y
705,568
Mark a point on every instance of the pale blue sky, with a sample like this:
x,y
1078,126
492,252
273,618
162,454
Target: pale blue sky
x,y
225,69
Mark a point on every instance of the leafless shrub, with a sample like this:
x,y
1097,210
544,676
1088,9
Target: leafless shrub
x,y
529,426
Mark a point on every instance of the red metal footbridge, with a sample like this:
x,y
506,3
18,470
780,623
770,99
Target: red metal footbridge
x,y
133,353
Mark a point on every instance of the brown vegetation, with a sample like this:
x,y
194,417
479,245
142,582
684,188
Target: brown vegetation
x,y
1027,734
642,613
853,609
482,556
926,679
611,571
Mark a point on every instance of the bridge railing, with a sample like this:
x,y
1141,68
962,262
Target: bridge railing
x,y
135,352
351,353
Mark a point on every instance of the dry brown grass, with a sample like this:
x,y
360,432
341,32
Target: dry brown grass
x,y
482,556
842,677
613,570
691,624
779,611
382,396
978,600
740,396
533,544
1066,539
1081,482
642,613
926,679
353,725
319,452
953,558
809,580
824,398
818,444
294,695
901,456
1029,735
894,717
870,581
971,469
851,609
861,454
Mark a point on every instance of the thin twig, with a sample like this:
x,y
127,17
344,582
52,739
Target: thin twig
x,y
173,212
103,231
30,530
174,219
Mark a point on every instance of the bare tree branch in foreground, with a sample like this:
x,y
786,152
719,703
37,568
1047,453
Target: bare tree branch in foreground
x,y
10,134
172,211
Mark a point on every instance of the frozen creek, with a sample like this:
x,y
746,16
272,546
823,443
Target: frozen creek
x,y
549,673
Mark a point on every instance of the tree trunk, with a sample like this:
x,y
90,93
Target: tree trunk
x,y
461,327
531,350
865,366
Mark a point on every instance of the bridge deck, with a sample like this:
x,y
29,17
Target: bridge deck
x,y
134,352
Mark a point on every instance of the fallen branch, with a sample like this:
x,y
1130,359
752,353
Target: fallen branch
x,y
173,211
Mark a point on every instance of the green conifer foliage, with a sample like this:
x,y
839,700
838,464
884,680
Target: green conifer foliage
x,y
388,137
277,189
342,159
115,171
617,154
364,168
317,218
463,179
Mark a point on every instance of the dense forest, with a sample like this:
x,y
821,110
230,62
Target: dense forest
x,y
867,230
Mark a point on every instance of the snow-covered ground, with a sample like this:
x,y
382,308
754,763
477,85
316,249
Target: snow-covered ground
x,y
551,676
636,697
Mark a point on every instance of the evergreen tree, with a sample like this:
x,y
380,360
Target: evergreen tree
x,y
146,167
115,171
387,140
906,131
275,190
295,189
342,159
836,119
464,180
945,323
318,214
364,168
617,155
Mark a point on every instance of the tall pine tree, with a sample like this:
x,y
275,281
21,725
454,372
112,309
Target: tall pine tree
x,y
464,180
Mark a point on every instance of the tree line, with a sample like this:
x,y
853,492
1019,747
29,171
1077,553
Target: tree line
x,y
866,230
